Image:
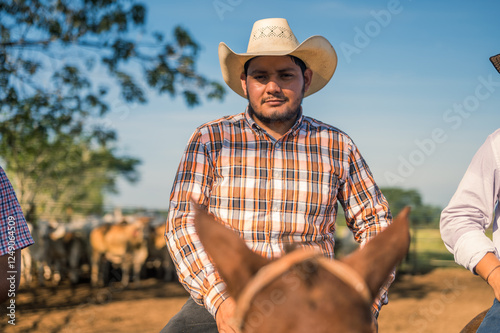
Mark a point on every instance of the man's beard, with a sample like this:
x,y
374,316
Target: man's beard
x,y
276,117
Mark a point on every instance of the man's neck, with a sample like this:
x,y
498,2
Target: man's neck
x,y
275,128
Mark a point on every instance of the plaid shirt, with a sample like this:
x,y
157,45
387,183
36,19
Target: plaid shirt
x,y
14,232
271,192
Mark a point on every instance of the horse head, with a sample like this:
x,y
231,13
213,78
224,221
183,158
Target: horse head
x,y
303,291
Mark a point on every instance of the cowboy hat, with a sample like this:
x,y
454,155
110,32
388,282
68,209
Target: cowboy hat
x,y
495,60
273,37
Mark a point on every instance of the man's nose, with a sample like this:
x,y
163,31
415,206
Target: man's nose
x,y
273,86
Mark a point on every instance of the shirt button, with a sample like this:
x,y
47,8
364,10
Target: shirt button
x,y
278,145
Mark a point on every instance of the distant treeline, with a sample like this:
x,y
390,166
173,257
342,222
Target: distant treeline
x,y
421,214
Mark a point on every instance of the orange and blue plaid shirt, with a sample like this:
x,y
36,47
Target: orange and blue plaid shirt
x,y
271,192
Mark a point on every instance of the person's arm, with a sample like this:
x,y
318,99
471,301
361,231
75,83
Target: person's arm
x,y
10,274
14,236
195,270
470,211
366,210
224,316
489,269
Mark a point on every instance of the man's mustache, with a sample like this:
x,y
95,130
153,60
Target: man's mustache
x,y
282,98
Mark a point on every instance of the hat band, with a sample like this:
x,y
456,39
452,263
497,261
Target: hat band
x,y
274,31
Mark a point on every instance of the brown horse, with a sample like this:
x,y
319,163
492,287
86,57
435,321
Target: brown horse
x,y
473,325
303,291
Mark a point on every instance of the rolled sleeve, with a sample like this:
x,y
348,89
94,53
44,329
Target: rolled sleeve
x,y
471,247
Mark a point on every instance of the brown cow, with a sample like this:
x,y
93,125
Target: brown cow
x,y
123,245
303,291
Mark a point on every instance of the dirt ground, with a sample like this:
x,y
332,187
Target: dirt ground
x,y
443,300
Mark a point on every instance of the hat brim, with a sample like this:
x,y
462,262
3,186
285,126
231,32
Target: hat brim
x,y
316,52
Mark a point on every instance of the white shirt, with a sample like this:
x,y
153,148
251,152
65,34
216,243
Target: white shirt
x,y
474,207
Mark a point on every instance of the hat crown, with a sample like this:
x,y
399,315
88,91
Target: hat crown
x,y
273,37
272,34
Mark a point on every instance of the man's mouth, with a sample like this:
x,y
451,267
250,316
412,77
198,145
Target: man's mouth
x,y
274,101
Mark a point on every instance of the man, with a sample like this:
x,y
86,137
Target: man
x,y
271,174
14,236
472,210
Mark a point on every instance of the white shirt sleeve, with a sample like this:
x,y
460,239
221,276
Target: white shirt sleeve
x,y
471,209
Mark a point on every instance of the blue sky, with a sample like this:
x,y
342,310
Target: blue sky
x,y
414,87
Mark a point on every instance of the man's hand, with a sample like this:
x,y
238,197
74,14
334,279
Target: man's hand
x,y
224,316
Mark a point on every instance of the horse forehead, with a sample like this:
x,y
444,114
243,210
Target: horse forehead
x,y
312,302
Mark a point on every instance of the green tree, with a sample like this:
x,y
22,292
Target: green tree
x,y
58,60
57,175
421,214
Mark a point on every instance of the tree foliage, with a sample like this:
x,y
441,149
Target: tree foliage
x,y
421,214
58,60
64,42
56,175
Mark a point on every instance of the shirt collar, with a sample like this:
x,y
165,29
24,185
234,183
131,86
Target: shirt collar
x,y
293,131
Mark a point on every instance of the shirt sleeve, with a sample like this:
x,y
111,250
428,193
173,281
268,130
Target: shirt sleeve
x,y
195,270
366,210
470,210
14,231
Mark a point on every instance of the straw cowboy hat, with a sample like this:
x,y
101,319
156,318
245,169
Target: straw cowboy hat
x,y
273,37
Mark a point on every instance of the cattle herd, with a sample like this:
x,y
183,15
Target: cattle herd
x,y
98,251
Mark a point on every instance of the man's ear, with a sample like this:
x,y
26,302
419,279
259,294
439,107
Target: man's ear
x,y
308,74
243,79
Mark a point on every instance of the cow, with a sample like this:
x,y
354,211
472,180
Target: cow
x,y
61,252
159,257
78,255
51,255
124,245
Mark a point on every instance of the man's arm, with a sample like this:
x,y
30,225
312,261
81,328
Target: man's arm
x,y
14,236
470,211
366,210
489,269
195,270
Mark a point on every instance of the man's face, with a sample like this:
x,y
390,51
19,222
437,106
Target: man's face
x,y
275,87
